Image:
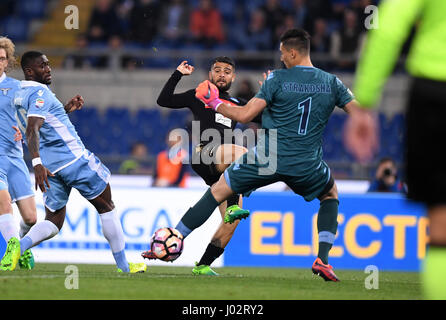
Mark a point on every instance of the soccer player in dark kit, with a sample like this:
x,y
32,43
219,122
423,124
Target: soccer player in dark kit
x,y
211,156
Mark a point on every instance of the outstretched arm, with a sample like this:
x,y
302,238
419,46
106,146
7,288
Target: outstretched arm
x,y
209,95
167,98
75,103
361,131
243,114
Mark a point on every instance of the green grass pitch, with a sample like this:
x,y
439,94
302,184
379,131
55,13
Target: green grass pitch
x,y
47,282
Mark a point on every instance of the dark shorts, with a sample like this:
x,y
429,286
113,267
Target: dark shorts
x,y
203,162
426,132
243,177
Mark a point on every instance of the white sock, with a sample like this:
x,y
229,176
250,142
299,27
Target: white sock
x,y
112,230
41,231
24,228
8,227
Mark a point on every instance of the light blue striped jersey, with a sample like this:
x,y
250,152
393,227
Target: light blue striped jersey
x,y
8,147
60,144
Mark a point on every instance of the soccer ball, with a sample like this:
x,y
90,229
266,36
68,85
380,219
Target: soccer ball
x,y
167,244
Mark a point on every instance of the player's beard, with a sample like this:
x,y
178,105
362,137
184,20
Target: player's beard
x,y
224,88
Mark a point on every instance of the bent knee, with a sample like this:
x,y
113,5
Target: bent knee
x,y
30,220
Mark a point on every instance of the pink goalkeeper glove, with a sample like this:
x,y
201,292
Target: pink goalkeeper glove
x,y
208,93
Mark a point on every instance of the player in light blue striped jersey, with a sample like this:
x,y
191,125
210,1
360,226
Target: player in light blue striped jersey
x,y
15,184
61,162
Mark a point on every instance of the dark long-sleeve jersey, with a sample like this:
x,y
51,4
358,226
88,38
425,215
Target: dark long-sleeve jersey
x,y
208,118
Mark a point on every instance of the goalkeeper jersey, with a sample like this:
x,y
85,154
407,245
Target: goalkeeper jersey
x,y
299,101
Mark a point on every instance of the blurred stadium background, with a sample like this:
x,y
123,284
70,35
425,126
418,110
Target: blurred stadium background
x,y
124,51
119,59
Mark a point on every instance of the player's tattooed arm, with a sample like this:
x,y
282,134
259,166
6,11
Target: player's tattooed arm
x,y
33,139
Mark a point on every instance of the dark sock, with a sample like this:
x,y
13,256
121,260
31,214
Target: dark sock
x,y
232,200
212,252
324,249
327,225
200,212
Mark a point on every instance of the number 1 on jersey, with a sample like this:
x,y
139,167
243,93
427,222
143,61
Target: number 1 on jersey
x,y
306,106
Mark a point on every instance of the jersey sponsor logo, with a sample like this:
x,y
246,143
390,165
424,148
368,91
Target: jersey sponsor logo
x,y
219,118
40,93
39,102
5,91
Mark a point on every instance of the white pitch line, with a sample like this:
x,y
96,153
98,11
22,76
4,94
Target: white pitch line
x,y
32,276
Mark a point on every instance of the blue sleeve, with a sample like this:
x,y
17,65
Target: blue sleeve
x,y
39,103
268,88
343,94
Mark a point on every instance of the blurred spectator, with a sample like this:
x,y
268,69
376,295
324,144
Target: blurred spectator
x,y
6,8
386,178
206,24
144,20
274,15
104,22
110,57
287,24
136,163
115,59
338,8
321,43
320,39
175,22
171,167
245,90
346,43
78,59
256,36
300,13
123,9
318,9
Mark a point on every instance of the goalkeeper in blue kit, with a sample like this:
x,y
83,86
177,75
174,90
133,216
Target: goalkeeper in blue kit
x,y
296,103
